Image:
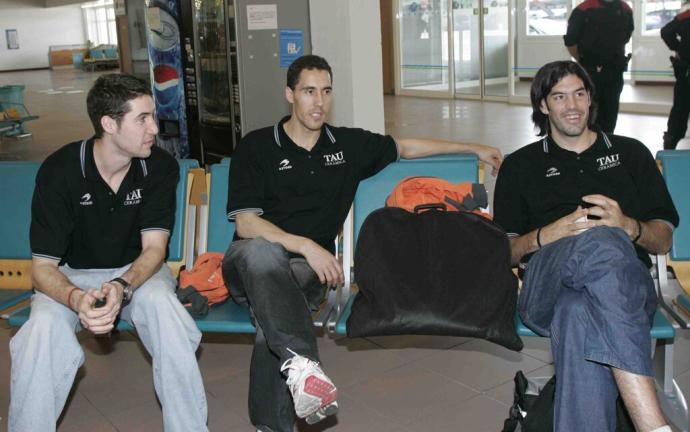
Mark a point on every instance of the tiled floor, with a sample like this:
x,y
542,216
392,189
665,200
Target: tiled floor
x,y
387,384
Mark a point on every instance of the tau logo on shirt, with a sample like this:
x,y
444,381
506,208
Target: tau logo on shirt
x,y
553,171
133,197
607,162
334,159
86,200
284,165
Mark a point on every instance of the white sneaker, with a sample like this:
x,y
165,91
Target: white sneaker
x,y
313,393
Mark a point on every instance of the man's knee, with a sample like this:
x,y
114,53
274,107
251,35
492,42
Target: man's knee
x,y
257,256
48,326
605,248
156,293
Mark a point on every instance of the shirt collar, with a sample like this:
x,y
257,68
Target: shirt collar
x,y
282,139
89,170
602,142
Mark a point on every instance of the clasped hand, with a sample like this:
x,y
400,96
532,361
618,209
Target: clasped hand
x,y
100,320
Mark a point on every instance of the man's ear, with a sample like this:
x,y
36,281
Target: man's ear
x,y
109,124
289,95
543,107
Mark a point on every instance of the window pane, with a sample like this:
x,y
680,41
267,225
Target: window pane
x,y
113,33
657,13
547,18
424,44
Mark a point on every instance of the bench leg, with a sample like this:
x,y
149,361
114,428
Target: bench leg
x,y
671,398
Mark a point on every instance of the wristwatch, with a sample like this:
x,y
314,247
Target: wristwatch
x,y
127,291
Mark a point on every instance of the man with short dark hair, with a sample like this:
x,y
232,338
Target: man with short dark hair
x,y
101,217
597,33
291,186
583,209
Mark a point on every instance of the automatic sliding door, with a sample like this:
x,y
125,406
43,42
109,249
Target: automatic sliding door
x,y
466,47
423,33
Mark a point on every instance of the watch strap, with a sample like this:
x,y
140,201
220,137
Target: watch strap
x,y
127,291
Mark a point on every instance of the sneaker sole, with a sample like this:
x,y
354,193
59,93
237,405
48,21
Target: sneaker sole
x,y
322,413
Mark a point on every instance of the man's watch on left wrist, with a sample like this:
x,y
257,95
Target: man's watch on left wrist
x,y
127,291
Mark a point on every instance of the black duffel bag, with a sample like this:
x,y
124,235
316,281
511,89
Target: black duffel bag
x,y
434,273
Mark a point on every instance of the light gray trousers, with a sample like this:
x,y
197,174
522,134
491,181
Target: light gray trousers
x,y
46,354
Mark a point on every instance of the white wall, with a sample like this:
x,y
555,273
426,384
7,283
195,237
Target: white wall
x,y
348,35
38,28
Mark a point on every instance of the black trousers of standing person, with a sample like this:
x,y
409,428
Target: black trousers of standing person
x,y
608,84
678,118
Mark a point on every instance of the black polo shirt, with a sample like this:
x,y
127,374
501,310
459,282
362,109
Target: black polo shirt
x,y
600,29
306,193
543,182
78,220
676,34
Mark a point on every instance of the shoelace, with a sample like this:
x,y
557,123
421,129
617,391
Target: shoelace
x,y
300,369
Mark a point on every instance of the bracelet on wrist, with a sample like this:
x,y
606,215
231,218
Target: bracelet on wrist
x,y
538,237
639,231
69,297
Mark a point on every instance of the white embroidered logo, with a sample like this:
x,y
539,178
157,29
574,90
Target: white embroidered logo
x,y
284,165
334,159
86,200
607,162
553,171
133,197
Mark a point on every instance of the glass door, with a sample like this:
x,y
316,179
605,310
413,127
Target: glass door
x,y
466,47
495,45
423,42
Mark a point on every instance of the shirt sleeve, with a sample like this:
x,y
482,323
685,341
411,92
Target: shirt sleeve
x,y
247,177
374,152
52,218
630,26
159,204
668,34
576,24
655,200
510,208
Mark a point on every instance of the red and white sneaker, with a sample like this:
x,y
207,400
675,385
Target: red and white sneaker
x,y
313,393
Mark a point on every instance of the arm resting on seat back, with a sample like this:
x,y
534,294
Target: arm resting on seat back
x,y
418,148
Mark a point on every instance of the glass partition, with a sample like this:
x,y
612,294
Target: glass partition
x,y
466,46
495,14
423,34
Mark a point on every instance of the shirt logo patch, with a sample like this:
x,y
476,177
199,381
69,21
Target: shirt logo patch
x,y
553,171
133,197
86,200
284,165
607,162
334,159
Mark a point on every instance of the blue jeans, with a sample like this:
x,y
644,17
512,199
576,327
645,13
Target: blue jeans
x,y
281,292
595,299
46,354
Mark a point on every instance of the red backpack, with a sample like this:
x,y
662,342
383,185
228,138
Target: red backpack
x,y
416,193
206,279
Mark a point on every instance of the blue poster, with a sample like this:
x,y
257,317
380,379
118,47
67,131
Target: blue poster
x,y
291,46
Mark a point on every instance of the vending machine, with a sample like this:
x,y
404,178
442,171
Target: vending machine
x,y
234,57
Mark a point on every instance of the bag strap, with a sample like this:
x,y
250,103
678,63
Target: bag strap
x,y
431,206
